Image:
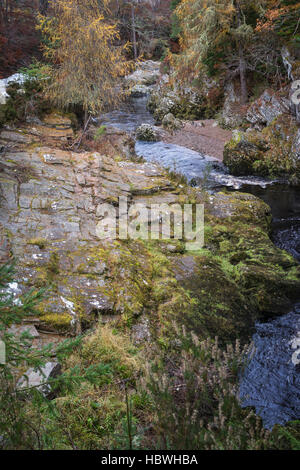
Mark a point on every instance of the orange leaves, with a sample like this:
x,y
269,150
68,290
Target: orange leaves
x,y
270,17
273,14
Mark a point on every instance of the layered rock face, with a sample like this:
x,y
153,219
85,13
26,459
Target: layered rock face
x,y
168,97
141,81
270,147
50,199
49,212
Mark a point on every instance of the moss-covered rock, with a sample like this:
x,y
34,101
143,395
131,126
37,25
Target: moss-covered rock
x,y
188,103
272,153
171,123
264,273
238,277
147,133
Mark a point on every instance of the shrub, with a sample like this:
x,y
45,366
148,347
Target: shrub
x,y
196,404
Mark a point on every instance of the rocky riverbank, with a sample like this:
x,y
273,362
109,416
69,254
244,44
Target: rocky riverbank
x,y
49,201
266,137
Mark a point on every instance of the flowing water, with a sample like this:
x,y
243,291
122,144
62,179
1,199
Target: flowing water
x,y
130,116
271,380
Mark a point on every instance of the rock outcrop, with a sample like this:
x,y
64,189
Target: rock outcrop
x,y
233,114
141,81
267,108
184,102
37,379
49,211
16,78
274,152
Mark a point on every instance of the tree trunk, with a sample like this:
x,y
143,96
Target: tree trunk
x,y
43,6
242,62
242,67
133,32
86,118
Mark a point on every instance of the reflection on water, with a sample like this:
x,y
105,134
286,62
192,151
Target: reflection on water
x,y
284,201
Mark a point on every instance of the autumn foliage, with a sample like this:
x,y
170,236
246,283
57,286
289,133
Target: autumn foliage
x,y
86,54
19,40
277,14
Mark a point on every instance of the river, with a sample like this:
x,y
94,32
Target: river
x,y
271,379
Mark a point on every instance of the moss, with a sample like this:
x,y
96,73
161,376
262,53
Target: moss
x,y
40,242
270,153
99,132
53,265
263,272
57,322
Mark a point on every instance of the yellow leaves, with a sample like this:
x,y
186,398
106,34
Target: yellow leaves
x,y
84,49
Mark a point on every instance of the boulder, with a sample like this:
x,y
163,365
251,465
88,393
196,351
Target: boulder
x,y
267,108
19,330
145,76
171,123
138,91
242,151
17,77
38,378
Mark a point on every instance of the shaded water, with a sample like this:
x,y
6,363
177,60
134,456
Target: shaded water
x,y
284,201
271,380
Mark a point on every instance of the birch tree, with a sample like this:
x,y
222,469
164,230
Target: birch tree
x,y
87,56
